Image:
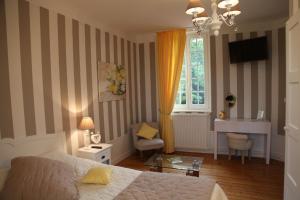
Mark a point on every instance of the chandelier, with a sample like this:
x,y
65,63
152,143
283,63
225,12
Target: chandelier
x,y
202,22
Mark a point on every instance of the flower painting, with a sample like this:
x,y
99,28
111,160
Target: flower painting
x,y
112,82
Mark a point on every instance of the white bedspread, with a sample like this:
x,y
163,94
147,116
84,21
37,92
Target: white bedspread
x,y
121,178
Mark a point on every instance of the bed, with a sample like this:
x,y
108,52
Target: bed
x,y
53,147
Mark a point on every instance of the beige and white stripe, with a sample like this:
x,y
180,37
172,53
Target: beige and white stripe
x,y
55,96
142,81
6,121
125,102
147,80
213,80
49,74
77,62
94,79
261,79
233,81
64,79
153,80
219,74
240,84
26,67
247,84
130,79
89,70
136,89
99,54
55,72
37,74
83,70
71,84
15,75
226,71
282,80
255,84
138,85
46,68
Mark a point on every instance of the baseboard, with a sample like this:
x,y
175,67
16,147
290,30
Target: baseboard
x,y
119,158
192,150
278,156
258,154
224,151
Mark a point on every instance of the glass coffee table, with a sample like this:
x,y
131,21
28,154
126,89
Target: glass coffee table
x,y
190,164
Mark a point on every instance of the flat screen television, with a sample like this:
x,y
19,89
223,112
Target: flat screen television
x,y
248,50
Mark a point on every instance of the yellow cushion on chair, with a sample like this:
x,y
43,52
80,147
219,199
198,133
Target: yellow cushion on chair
x,y
147,132
98,175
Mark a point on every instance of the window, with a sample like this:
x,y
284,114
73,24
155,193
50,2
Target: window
x,y
194,87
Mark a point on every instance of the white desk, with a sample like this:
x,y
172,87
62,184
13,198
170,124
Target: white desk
x,y
248,126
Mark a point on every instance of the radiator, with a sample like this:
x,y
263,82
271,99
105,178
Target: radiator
x,y
191,130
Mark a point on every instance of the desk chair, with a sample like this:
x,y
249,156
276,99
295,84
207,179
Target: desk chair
x,y
239,142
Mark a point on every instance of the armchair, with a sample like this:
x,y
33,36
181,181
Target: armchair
x,y
143,144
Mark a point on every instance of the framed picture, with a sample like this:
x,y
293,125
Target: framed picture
x,y
111,82
96,138
260,115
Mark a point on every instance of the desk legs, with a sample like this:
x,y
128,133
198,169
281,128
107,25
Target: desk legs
x,y
268,152
268,146
215,145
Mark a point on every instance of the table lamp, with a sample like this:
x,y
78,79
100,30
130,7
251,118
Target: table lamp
x,y
86,124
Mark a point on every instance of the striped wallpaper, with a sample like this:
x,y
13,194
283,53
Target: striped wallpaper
x,y
48,75
258,85
148,107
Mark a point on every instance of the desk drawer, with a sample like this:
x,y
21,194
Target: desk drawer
x,y
260,127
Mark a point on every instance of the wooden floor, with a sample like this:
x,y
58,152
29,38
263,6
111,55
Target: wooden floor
x,y
255,180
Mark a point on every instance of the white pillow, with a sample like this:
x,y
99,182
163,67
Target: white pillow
x,y
3,176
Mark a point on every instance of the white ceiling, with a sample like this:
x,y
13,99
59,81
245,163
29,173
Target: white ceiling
x,y
140,16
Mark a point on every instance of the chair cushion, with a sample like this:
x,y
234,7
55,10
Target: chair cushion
x,y
144,144
237,136
238,141
239,144
147,132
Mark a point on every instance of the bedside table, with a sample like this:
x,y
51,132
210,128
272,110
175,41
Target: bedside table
x,y
102,155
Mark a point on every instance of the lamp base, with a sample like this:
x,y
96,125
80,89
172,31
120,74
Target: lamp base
x,y
86,138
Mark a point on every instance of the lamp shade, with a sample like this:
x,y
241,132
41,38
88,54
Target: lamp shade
x,y
86,123
200,18
225,4
233,11
194,7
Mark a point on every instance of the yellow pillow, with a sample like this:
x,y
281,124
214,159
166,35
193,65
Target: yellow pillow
x,y
147,132
98,175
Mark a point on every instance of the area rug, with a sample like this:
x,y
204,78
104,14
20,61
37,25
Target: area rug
x,y
174,161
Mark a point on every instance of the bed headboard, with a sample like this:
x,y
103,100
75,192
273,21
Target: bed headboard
x,y
30,146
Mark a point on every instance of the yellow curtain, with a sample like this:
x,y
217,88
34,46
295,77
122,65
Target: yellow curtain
x,y
170,51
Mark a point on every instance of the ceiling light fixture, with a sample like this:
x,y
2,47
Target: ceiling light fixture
x,y
202,22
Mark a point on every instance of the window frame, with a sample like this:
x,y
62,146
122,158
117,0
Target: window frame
x,y
189,107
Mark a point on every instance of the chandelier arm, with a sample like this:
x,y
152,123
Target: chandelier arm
x,y
226,20
209,20
207,23
202,26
